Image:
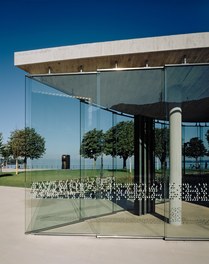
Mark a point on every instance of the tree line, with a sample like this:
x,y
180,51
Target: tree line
x,y
194,148
22,144
119,141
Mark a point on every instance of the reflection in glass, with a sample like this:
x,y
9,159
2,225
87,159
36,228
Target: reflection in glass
x,y
187,88
119,130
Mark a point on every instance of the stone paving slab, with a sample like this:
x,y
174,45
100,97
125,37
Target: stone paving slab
x,y
16,247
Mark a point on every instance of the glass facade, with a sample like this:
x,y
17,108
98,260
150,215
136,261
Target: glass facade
x,y
111,142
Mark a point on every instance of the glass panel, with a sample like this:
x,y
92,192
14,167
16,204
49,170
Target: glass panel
x,y
119,177
30,206
161,171
55,116
187,88
108,190
95,173
138,204
161,192
81,86
135,92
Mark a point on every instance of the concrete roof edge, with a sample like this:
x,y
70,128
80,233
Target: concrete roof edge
x,y
111,48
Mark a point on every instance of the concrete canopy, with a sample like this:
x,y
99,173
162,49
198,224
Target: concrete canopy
x,y
156,51
188,93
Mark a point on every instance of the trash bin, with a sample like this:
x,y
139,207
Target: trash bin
x,y
65,162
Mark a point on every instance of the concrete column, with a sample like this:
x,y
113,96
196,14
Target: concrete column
x,y
175,185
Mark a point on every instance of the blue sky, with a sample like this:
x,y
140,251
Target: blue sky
x,y
34,24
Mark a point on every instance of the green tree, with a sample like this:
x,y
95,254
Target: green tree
x,y
26,143
161,145
119,141
6,152
195,149
1,141
92,144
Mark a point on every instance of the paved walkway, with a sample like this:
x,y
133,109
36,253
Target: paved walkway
x,y
16,247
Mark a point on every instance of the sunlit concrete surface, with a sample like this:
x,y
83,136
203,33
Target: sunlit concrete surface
x,y
16,247
154,51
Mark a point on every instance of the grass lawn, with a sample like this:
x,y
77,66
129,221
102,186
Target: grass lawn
x,y
11,179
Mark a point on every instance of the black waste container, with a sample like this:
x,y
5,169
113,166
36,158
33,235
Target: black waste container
x,y
65,162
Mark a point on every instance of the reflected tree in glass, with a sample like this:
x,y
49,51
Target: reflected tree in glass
x,y
91,145
119,141
194,149
161,145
